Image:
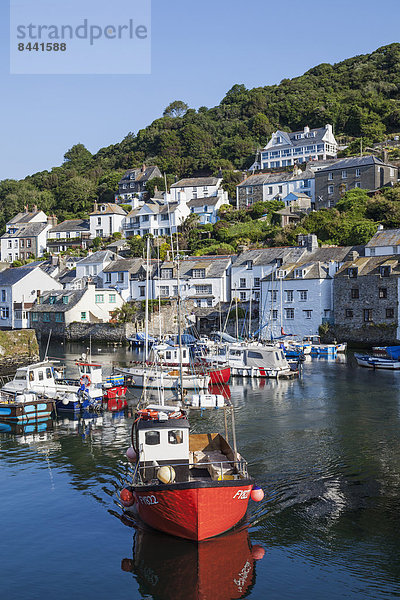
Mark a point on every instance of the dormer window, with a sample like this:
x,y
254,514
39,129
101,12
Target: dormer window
x,y
352,272
385,271
299,273
281,274
278,139
132,176
249,265
103,208
198,273
65,299
166,273
52,300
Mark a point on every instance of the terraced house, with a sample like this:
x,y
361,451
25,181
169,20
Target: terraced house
x,y
366,299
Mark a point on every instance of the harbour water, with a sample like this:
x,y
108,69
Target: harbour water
x,y
325,449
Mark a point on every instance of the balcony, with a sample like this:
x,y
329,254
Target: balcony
x,y
128,226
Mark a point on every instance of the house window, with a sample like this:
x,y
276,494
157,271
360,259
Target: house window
x,y
274,315
99,233
249,265
22,243
145,218
307,314
108,277
390,313
112,298
203,289
344,174
46,317
358,173
59,317
372,251
52,300
175,290
303,295
289,313
65,299
385,271
199,273
256,282
270,191
354,293
209,302
3,295
35,316
99,299
166,273
353,272
10,243
120,277
382,292
330,176
289,295
164,290
367,315
83,316
28,243
330,189
348,313
280,189
98,220
242,282
142,291
274,295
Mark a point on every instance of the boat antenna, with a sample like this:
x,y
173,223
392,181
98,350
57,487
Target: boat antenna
x,y
47,346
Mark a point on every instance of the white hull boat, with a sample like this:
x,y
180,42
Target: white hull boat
x,y
168,380
373,362
253,361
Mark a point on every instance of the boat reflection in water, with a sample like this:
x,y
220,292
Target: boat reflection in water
x,y
169,568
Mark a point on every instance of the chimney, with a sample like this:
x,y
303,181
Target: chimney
x,y
380,227
143,169
306,129
96,207
52,220
34,208
385,155
353,255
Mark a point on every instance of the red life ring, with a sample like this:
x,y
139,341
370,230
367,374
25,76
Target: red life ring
x,y
85,380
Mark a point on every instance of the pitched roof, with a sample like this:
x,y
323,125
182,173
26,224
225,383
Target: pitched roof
x,y
71,225
141,174
208,201
29,230
318,132
355,161
132,265
266,256
58,305
97,257
269,178
13,275
196,182
110,209
370,265
385,237
25,217
213,265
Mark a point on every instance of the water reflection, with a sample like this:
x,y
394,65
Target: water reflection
x,y
173,569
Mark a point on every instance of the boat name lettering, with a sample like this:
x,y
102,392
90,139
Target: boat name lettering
x,y
242,494
148,499
244,573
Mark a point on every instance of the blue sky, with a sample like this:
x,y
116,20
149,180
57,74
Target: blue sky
x,y
199,50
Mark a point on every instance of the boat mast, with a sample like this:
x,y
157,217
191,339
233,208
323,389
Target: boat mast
x,y
179,320
146,318
251,297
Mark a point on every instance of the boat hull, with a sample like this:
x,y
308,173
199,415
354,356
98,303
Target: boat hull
x,y
377,363
193,511
23,412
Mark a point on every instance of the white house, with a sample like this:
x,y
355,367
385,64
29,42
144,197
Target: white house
x,y
285,149
298,296
207,208
105,220
384,242
132,186
205,280
156,217
57,309
275,186
197,187
19,289
92,266
252,266
26,235
123,274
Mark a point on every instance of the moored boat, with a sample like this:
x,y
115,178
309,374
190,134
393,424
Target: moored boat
x,y
375,362
189,485
24,407
252,360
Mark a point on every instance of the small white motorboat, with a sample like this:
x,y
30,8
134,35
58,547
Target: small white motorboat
x,y
374,362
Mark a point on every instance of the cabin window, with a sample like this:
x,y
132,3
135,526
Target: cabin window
x,y
48,373
31,376
277,356
41,376
20,376
175,436
252,354
152,438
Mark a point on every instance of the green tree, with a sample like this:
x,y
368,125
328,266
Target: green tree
x,y
176,109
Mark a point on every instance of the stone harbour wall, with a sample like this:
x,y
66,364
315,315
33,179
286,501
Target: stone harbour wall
x,y
17,348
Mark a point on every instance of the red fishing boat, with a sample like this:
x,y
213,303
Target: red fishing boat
x,y
190,485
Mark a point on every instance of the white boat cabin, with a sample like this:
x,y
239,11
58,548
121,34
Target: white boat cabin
x,y
252,361
170,355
